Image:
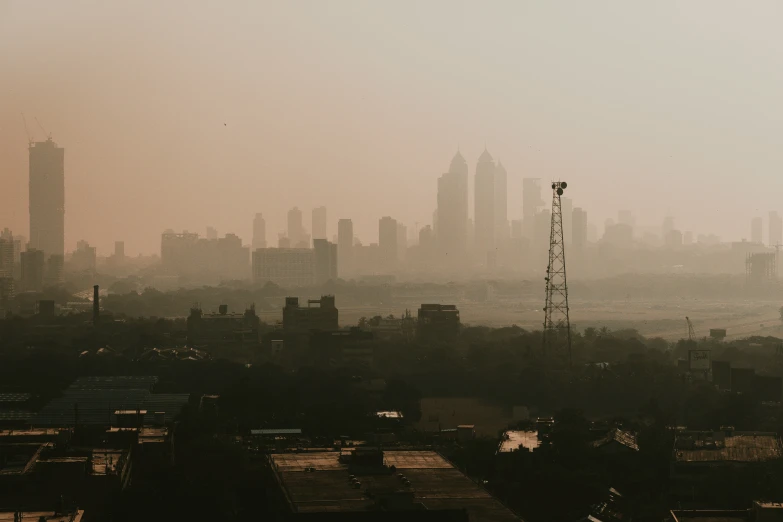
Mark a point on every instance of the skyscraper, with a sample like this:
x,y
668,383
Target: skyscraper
x,y
295,229
531,203
259,231
756,230
501,204
578,228
345,246
319,223
325,261
119,250
47,198
402,241
387,239
32,270
775,229
567,209
484,205
451,220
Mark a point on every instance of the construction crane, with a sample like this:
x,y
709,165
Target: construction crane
x,y
27,131
691,334
47,134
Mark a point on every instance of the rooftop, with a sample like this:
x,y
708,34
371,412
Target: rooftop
x,y
741,446
623,437
513,439
48,516
434,484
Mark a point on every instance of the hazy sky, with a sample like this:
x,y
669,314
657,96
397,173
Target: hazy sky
x,y
188,114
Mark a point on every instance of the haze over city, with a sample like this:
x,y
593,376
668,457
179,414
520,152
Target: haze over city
x,y
201,115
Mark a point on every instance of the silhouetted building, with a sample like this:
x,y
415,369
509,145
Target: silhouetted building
x,y
437,322
187,254
176,250
212,233
484,205
775,229
673,238
84,257
296,231
53,273
618,234
7,255
325,254
402,241
387,240
32,270
119,250
501,204
259,232
319,223
567,210
579,228
345,246
221,328
7,293
452,213
756,230
320,314
287,267
531,204
668,226
47,198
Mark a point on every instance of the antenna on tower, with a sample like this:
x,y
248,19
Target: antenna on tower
x,y
556,308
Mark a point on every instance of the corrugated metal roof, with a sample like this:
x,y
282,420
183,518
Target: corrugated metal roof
x,y
282,431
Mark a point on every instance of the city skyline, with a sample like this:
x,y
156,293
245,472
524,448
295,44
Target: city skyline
x,y
640,134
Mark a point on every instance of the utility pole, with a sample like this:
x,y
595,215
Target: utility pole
x,y
556,308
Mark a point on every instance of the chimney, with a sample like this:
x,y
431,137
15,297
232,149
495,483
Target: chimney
x,y
96,304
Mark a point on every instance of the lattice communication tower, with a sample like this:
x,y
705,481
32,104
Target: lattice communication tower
x,y
557,326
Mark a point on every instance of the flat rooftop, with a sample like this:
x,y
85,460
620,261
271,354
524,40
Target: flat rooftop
x,y
739,447
434,482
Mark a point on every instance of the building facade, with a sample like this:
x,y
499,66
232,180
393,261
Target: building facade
x,y
452,211
484,205
287,267
47,198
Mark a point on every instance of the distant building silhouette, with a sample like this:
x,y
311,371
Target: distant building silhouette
x,y
402,241
387,240
451,218
567,209
668,226
484,206
259,232
84,258
531,204
319,223
578,228
775,229
7,254
437,322
287,267
47,198
119,250
325,254
501,204
212,233
186,254
756,230
295,229
345,246
32,270
673,239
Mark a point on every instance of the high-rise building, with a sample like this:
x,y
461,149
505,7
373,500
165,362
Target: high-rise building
x,y
345,246
387,240
84,257
295,229
625,217
775,229
212,233
259,231
47,198
402,241
567,209
516,229
53,274
578,228
501,204
452,213
7,254
319,223
484,205
287,267
119,250
32,270
756,230
687,238
531,204
325,261
668,226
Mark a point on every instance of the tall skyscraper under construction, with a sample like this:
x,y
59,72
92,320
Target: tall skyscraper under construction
x,y
47,198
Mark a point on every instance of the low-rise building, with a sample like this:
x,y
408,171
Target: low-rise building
x,y
437,322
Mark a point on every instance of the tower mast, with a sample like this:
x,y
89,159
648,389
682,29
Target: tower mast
x,y
556,320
